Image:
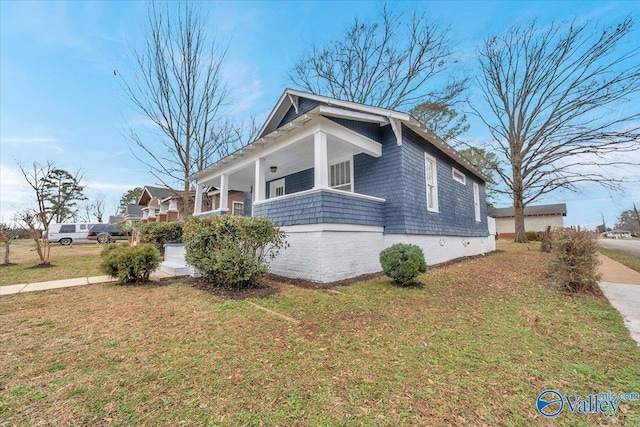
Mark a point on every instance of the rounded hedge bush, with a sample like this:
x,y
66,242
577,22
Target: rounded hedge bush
x,y
130,263
403,263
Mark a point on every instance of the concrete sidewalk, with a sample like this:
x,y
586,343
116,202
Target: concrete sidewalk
x,y
621,285
65,283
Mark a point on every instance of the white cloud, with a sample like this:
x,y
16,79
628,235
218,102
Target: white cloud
x,y
243,84
28,140
108,186
14,192
51,142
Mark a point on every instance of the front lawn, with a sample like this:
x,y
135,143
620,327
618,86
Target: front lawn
x,y
474,346
79,260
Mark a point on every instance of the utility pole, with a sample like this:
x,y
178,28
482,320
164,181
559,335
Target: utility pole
x,y
636,212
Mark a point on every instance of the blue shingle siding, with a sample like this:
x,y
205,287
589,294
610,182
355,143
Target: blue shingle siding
x,y
248,196
370,130
456,214
381,177
304,105
323,207
296,182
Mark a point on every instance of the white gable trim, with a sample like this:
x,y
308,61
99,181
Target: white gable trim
x,y
290,98
352,115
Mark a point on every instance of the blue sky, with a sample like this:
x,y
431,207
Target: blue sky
x,y
60,100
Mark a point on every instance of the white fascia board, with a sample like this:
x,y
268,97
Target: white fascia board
x,y
367,145
353,115
352,105
283,97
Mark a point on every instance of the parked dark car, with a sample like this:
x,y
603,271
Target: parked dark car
x,y
107,233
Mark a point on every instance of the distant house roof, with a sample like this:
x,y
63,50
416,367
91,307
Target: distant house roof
x,y
160,193
114,219
556,209
133,211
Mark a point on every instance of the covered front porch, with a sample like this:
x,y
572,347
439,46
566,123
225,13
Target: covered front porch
x,y
303,173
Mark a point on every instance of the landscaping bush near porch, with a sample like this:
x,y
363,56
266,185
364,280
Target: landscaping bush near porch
x,y
231,250
160,233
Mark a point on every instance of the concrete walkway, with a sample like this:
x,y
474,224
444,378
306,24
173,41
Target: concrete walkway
x,y
621,286
65,283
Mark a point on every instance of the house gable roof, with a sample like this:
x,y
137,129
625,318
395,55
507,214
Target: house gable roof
x,y
555,209
150,192
325,106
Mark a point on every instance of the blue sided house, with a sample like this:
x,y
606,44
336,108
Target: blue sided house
x,y
345,181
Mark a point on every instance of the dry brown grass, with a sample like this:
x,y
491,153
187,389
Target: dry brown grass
x,y
79,260
474,346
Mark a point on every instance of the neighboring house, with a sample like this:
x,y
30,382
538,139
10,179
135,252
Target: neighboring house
x,y
345,181
160,204
132,213
617,234
166,204
536,218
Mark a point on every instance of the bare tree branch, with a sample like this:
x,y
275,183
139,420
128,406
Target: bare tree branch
x,y
177,84
560,106
384,63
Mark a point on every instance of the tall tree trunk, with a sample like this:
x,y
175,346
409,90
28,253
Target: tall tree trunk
x,y
7,248
518,211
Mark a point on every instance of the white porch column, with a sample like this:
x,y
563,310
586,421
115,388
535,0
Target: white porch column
x,y
260,186
224,192
197,205
320,161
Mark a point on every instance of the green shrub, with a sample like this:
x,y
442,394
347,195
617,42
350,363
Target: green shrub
x,y
130,263
160,233
231,250
576,263
403,263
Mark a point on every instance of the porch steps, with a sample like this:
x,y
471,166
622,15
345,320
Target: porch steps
x,y
174,262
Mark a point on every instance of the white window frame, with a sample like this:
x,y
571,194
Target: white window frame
x,y
432,202
459,176
275,184
476,201
350,183
241,207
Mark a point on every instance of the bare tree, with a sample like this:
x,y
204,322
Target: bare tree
x,y
8,231
98,207
558,106
94,210
386,63
55,191
177,84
